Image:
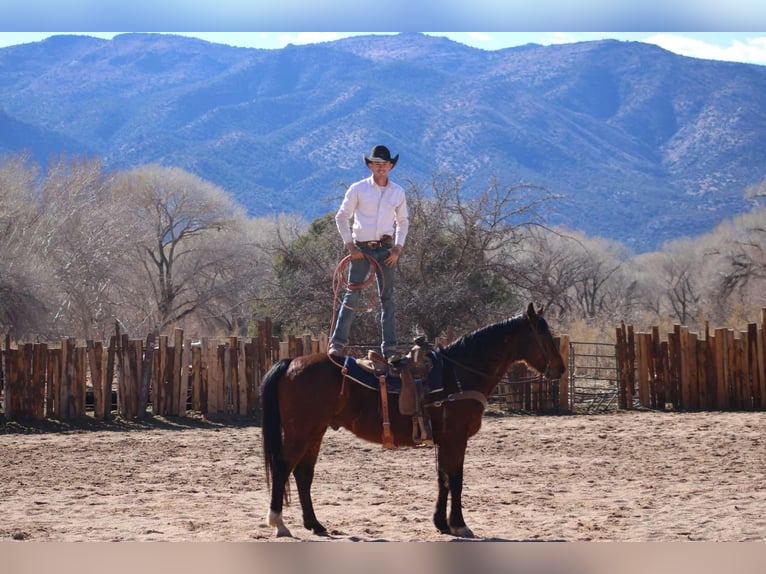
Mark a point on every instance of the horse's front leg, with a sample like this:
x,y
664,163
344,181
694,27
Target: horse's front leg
x,y
456,521
440,515
304,477
451,458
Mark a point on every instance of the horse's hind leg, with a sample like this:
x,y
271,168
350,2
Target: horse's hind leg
x,y
304,477
278,485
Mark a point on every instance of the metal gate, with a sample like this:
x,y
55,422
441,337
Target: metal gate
x,y
593,377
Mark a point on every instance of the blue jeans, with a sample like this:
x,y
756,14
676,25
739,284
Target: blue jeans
x,y
358,271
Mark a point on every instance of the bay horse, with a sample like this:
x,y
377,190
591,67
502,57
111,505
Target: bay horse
x,y
302,397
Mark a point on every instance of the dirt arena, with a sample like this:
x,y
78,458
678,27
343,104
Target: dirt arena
x,y
630,477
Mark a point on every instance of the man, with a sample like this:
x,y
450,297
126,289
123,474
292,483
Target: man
x,y
373,222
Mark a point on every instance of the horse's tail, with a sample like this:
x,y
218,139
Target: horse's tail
x,y
271,422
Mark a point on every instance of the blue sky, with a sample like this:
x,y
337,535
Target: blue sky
x,y
710,29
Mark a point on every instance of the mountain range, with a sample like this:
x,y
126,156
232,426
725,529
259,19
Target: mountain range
x,y
643,145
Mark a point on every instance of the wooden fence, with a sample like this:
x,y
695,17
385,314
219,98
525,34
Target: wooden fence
x,y
721,370
214,376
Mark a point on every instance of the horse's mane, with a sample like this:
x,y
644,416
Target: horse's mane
x,y
483,335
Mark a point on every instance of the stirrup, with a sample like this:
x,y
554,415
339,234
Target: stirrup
x,y
374,363
422,433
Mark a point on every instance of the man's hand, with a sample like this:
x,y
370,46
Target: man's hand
x,y
393,255
354,251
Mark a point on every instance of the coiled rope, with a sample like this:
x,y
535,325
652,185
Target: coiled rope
x,y
340,285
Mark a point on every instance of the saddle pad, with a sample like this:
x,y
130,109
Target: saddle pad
x,y
393,382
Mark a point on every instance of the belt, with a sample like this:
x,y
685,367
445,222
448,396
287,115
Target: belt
x,y
385,241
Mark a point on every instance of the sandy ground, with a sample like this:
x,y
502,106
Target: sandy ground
x,y
630,477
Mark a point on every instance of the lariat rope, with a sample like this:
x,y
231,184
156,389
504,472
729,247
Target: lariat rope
x,y
341,284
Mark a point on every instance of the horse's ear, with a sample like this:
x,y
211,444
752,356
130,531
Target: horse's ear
x,y
531,311
540,311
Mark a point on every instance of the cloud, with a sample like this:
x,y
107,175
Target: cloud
x,y
308,37
560,38
751,50
480,36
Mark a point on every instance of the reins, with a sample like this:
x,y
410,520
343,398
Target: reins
x,y
461,394
539,342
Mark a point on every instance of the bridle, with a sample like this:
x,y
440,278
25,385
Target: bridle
x,y
538,341
540,344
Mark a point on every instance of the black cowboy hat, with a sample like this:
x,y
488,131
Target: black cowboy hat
x,y
380,154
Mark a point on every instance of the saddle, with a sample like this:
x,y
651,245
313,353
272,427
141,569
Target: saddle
x,y
408,377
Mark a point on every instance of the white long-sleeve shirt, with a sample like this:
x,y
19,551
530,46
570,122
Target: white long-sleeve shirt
x,y
369,212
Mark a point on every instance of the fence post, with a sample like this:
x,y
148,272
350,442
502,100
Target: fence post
x,y
722,371
126,377
674,368
198,392
702,374
622,361
185,385
686,367
243,381
753,373
178,378
67,380
564,398
741,393
147,368
40,366
94,352
643,360
252,374
10,377
762,359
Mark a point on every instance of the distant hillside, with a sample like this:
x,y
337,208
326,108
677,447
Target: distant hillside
x,y
645,145
40,143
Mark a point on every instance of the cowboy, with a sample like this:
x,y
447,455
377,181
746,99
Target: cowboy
x,y
373,223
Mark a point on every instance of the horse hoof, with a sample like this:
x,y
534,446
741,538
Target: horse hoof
x,y
316,528
274,519
463,532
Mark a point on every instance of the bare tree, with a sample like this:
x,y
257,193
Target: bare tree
x,y
453,272
23,305
577,277
190,245
546,268
675,274
85,225
305,258
601,262
738,251
234,307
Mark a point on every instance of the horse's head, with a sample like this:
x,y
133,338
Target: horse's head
x,y
543,352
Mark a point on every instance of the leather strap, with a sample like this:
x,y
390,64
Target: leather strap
x,y
408,401
473,395
388,439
